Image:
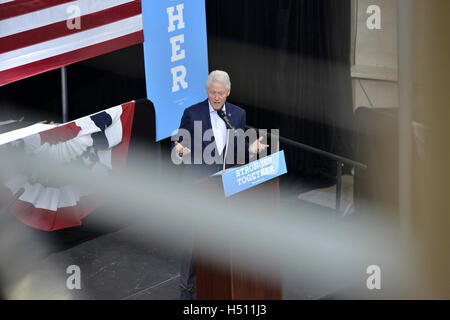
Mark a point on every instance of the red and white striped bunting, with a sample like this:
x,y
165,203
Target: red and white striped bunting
x,y
99,141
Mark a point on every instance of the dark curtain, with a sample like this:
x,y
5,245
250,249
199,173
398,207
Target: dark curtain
x,y
289,62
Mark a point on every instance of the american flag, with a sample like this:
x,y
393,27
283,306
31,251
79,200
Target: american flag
x,y
100,142
42,35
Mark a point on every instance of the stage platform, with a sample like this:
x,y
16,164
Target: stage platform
x,y
115,262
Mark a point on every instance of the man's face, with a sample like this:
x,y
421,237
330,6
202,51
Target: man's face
x,y
217,95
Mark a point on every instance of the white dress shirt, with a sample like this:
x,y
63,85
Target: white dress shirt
x,y
219,128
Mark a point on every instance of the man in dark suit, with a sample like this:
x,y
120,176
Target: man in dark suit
x,y
212,129
205,125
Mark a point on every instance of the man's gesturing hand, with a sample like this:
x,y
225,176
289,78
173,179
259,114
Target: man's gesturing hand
x,y
181,151
257,146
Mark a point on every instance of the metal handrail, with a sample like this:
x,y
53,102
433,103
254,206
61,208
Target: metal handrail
x,y
339,159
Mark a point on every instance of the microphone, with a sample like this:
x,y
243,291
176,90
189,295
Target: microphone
x,y
223,116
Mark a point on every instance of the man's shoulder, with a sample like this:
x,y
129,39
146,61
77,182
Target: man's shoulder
x,y
234,108
197,107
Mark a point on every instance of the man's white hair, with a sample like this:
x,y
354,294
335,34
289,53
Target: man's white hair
x,y
220,77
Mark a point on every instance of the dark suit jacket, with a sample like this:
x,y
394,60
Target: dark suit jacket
x,y
200,112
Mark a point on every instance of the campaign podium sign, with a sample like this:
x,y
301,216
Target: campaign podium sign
x,y
238,179
236,278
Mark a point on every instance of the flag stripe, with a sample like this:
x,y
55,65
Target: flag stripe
x,y
20,7
42,197
23,132
48,220
100,141
60,29
120,152
75,41
114,132
55,14
102,120
64,59
60,134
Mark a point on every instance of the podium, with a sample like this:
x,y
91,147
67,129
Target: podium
x,y
234,278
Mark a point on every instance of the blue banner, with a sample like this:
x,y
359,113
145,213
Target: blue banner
x,y
176,58
239,179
